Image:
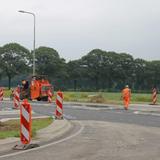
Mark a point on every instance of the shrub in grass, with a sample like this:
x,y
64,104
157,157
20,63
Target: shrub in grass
x,y
97,99
83,95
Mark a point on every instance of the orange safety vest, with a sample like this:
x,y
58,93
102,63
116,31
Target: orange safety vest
x,y
126,93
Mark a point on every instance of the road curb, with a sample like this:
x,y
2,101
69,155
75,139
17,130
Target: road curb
x,y
54,130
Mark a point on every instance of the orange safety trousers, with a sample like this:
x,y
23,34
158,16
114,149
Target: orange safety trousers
x,y
126,97
126,101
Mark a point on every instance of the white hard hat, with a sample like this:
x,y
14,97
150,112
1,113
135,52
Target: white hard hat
x,y
127,86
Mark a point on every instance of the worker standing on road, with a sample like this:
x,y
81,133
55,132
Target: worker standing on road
x,y
126,95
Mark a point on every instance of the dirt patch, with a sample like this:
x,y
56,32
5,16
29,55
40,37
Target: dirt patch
x,y
96,98
5,126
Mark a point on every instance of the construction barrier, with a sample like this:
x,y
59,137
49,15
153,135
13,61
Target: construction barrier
x,y
50,96
59,105
26,122
16,98
25,127
154,96
1,94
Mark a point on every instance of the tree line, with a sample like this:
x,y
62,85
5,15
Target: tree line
x,y
97,70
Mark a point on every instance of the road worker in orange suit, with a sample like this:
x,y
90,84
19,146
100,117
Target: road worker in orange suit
x,y
126,95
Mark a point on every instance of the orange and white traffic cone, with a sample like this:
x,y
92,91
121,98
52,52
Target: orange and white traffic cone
x,y
1,94
59,105
50,96
154,96
16,98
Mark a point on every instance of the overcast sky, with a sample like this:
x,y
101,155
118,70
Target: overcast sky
x,y
75,27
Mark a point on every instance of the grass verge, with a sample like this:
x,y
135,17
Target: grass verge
x,y
101,97
11,128
106,97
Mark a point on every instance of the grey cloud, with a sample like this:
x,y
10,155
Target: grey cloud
x,y
74,27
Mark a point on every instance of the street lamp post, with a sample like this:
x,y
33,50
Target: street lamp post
x,y
34,38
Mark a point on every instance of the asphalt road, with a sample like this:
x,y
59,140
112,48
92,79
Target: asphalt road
x,y
103,134
72,112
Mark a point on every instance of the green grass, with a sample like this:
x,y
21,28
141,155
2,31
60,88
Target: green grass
x,y
7,92
12,128
105,97
100,97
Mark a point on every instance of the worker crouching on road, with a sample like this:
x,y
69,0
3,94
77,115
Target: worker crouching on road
x,y
126,95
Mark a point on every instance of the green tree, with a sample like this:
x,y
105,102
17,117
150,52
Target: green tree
x,y
48,62
76,70
94,62
124,66
15,60
139,73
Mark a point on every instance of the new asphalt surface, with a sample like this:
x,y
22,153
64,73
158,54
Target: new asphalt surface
x,y
103,132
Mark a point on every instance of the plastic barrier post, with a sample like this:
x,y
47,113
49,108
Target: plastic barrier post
x,y
59,105
16,98
25,127
1,94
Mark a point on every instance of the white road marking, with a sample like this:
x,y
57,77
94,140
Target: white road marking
x,y
83,107
146,113
47,145
136,112
69,117
2,113
11,112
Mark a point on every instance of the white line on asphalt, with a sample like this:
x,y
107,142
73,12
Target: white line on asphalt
x,y
146,113
69,116
85,108
136,112
47,145
32,103
37,117
11,112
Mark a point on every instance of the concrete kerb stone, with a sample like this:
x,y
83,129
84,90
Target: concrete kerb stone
x,y
54,130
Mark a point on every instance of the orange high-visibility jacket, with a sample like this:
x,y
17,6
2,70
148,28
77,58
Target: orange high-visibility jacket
x,y
126,93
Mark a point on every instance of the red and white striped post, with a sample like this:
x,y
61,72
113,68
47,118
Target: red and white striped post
x,y
25,127
154,96
1,94
50,96
16,98
59,105
26,122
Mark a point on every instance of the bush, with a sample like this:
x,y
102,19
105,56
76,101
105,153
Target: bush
x,y
97,98
83,95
